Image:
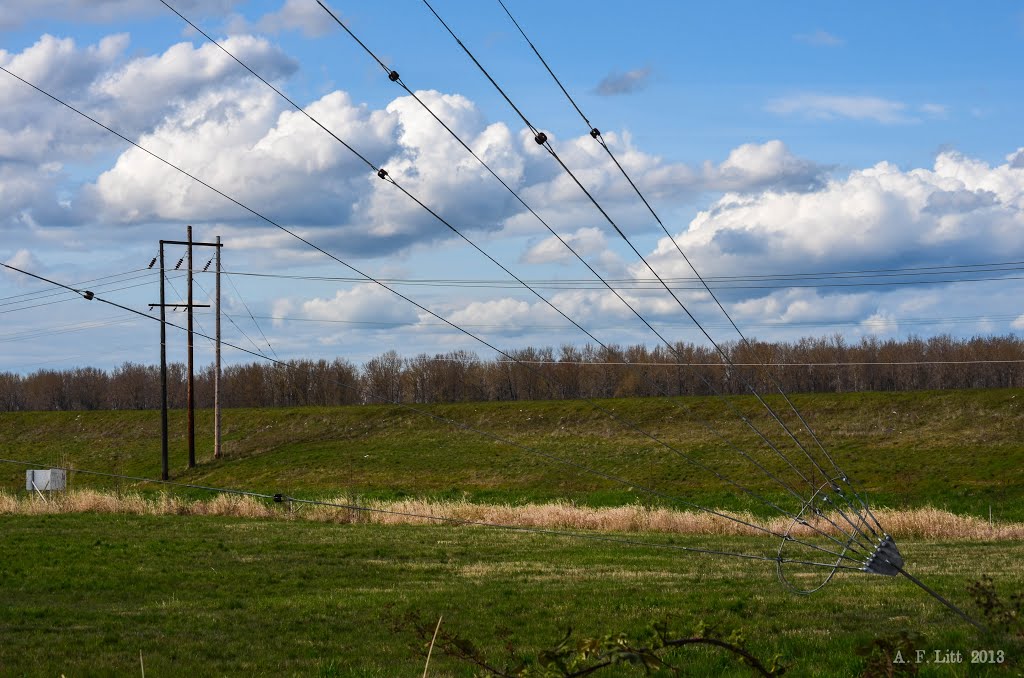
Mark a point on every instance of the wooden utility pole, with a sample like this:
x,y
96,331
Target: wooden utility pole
x,y
216,372
191,391
188,305
164,471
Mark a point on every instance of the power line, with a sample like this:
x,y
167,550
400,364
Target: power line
x,y
624,284
868,322
64,329
383,174
251,316
542,140
62,301
29,297
49,293
89,295
232,321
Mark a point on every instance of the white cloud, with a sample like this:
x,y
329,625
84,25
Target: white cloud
x,y
24,260
1018,324
880,324
961,210
301,15
585,241
831,107
361,303
147,89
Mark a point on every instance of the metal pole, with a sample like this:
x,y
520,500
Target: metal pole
x,y
216,373
164,472
191,389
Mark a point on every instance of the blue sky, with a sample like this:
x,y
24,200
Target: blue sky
x,y
771,139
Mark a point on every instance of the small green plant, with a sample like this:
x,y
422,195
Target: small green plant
x,y
654,652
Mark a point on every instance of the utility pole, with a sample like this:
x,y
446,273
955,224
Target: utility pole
x,y
216,372
164,471
191,391
189,305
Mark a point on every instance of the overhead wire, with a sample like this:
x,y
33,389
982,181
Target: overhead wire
x,y
31,297
237,327
62,301
66,328
868,322
595,133
395,77
542,140
625,284
50,293
90,296
251,316
383,174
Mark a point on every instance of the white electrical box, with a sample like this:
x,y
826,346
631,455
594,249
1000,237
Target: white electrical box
x,y
45,480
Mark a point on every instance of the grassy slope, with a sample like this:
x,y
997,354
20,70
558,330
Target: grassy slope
x,y
960,450
83,594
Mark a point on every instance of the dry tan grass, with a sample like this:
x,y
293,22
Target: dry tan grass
x,y
926,523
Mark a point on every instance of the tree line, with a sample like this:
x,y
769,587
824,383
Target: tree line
x,y
823,364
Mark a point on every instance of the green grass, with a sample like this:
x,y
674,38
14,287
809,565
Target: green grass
x,y
83,594
959,450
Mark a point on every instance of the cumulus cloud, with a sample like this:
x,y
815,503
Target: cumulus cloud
x,y
298,15
361,303
23,259
41,144
585,241
144,90
831,107
617,83
961,210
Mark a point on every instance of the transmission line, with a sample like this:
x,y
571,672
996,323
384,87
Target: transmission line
x,y
251,316
395,77
956,320
543,141
48,293
89,295
62,301
383,174
232,321
624,284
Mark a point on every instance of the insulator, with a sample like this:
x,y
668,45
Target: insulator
x,y
178,265
152,262
541,138
393,76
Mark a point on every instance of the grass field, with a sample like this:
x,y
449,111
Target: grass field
x,y
83,594
958,450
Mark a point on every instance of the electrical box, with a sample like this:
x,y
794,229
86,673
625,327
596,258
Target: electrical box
x,y
45,480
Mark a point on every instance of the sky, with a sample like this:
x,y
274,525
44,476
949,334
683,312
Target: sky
x,y
876,146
